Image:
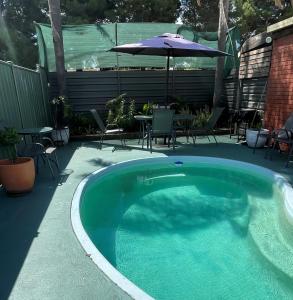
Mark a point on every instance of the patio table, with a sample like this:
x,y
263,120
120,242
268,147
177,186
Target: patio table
x,y
143,119
35,132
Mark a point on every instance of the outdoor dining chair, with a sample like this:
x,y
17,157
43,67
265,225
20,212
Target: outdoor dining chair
x,y
280,136
105,130
162,126
209,128
44,149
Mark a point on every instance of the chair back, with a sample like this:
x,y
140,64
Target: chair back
x,y
216,114
98,119
162,120
289,123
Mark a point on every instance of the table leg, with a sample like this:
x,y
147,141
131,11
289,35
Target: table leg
x,y
140,132
142,137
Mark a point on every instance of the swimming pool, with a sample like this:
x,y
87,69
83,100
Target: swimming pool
x,y
188,228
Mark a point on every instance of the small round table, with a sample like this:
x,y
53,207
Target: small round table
x,y
35,132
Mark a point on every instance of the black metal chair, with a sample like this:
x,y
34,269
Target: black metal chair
x,y
240,121
45,149
283,135
162,126
105,130
209,128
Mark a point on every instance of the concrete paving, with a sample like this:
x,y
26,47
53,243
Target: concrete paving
x,y
40,257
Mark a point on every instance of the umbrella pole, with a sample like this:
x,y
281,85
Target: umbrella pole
x,y
167,79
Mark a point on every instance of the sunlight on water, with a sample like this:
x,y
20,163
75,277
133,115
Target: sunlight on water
x,y
184,233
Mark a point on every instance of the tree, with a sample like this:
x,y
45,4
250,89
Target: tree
x,y
17,34
253,16
85,12
201,15
144,11
55,17
222,32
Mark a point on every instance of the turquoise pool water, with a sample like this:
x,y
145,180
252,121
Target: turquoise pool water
x,y
189,231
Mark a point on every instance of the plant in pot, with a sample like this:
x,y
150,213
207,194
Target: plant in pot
x,y
17,174
61,112
121,112
256,136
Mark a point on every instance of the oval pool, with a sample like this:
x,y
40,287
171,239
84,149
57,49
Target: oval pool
x,y
188,228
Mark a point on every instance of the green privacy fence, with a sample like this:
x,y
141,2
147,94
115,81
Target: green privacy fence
x,y
23,97
86,46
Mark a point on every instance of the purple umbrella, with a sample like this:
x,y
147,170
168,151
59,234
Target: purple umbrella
x,y
168,45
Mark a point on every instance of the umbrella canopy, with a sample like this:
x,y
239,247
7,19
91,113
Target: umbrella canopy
x,y
168,44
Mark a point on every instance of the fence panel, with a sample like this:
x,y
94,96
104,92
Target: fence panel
x,y
29,87
248,90
93,89
23,97
9,108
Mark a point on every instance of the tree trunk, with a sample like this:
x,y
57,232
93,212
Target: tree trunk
x,y
222,32
55,17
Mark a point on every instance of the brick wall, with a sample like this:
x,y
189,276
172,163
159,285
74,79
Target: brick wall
x,y
279,102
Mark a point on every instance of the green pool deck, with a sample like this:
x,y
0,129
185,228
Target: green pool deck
x,y
40,256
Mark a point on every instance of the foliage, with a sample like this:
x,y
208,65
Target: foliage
x,y
81,124
119,113
177,103
198,14
147,108
251,16
8,139
17,34
202,116
85,11
144,11
58,100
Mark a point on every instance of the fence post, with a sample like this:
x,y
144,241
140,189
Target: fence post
x,y
44,97
17,94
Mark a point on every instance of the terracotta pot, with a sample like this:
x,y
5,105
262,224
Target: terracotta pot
x,y
18,177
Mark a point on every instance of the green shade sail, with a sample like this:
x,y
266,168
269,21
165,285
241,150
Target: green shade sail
x,y
86,46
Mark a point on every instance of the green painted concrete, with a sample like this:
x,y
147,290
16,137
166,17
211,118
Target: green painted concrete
x,y
40,257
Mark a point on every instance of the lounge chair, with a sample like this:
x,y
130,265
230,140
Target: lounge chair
x,y
209,128
283,135
162,126
105,130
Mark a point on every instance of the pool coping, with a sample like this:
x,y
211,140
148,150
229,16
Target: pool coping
x,y
123,284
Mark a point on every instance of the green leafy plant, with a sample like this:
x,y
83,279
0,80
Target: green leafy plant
x,y
202,116
119,113
176,103
8,139
82,124
147,108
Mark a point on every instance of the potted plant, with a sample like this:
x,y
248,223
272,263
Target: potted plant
x,y
121,112
17,174
257,136
61,113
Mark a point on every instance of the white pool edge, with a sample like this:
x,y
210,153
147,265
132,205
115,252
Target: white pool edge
x,y
123,284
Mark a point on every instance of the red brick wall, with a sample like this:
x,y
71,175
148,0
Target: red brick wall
x,y
279,102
